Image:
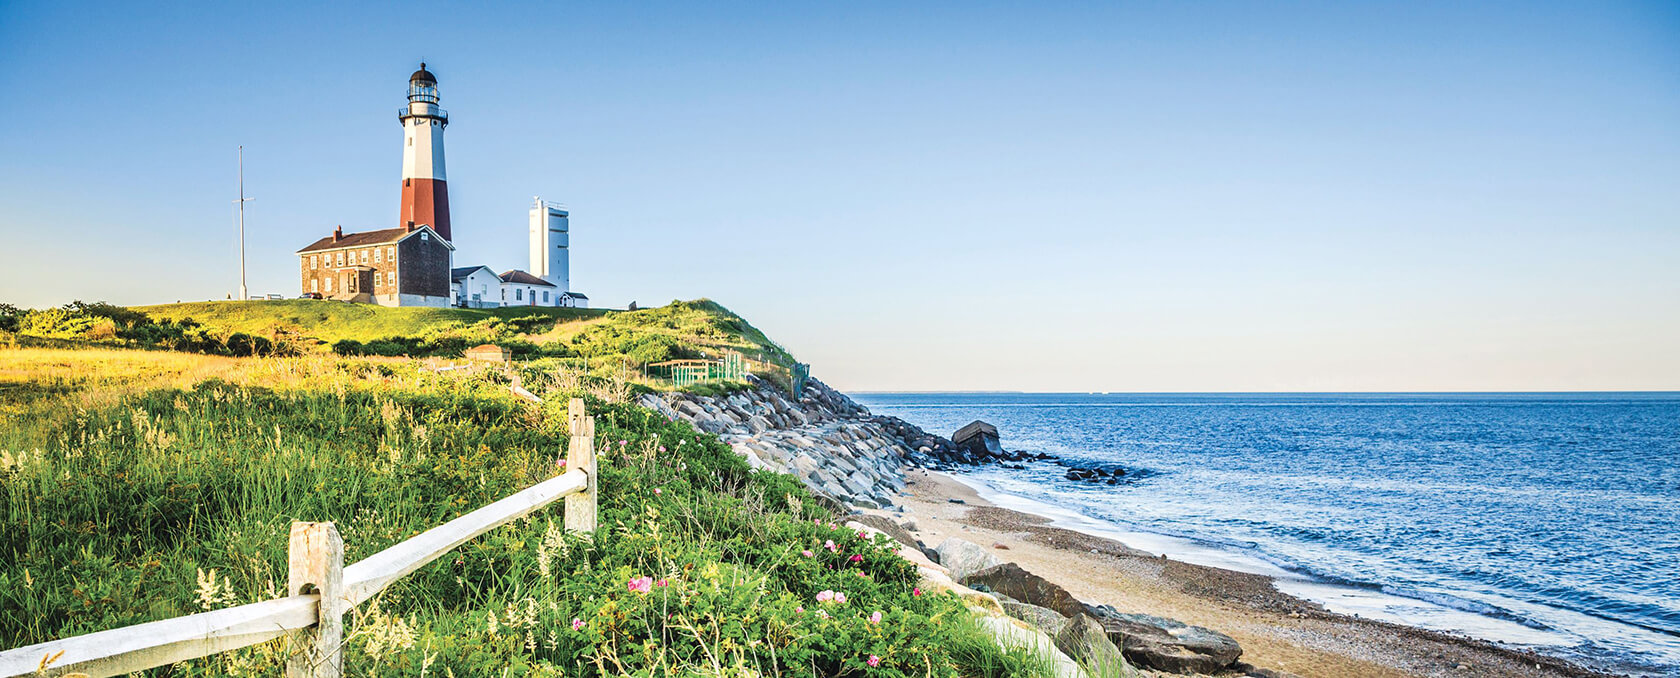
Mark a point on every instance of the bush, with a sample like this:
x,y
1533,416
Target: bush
x,y
9,317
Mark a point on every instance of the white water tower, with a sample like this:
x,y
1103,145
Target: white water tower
x,y
549,240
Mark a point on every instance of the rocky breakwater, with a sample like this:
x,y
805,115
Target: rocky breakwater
x,y
978,444
824,438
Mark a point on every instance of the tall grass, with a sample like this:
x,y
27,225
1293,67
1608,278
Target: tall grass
x,y
164,498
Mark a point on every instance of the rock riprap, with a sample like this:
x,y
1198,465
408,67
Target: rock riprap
x,y
823,438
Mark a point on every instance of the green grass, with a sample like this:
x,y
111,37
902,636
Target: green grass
x,y
128,477
701,328
331,321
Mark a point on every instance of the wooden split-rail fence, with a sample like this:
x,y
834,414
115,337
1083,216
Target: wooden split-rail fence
x,y
322,588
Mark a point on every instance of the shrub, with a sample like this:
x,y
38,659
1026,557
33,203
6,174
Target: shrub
x,y
9,317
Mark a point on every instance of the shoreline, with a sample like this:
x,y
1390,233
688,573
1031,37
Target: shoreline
x,y
1276,629
1365,601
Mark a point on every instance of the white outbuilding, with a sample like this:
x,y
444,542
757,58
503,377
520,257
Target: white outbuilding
x,y
475,287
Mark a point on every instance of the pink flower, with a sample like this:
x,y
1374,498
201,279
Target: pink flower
x,y
875,618
807,553
561,463
839,597
825,596
822,613
621,443
874,661
799,608
641,584
856,558
831,546
576,623
662,583
661,448
658,491
863,535
916,591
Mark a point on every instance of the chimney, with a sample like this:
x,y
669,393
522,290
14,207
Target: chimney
x,y
410,226
338,233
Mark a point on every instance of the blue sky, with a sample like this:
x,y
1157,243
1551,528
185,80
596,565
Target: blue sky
x,y
1123,197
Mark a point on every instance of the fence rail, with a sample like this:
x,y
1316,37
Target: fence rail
x,y
315,575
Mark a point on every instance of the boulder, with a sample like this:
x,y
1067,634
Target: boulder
x,y
1010,580
828,501
888,526
1010,632
837,491
964,558
1046,619
857,488
1166,644
1084,640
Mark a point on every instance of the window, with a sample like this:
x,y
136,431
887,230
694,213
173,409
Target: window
x,y
391,254
545,296
504,294
425,237
376,253
519,294
411,141
390,277
364,257
311,262
340,258
329,285
314,285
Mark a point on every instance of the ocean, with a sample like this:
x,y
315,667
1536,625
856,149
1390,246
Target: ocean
x,y
1543,520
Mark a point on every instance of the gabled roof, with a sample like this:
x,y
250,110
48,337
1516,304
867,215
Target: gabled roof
x,y
365,238
523,278
459,274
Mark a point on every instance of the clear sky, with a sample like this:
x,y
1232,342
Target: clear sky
x,y
1024,196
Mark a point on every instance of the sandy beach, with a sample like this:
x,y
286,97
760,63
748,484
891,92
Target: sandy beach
x,y
1276,631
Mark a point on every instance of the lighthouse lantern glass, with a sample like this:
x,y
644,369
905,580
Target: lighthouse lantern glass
x,y
422,92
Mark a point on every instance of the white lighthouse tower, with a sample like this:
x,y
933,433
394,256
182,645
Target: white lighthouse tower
x,y
425,189
549,241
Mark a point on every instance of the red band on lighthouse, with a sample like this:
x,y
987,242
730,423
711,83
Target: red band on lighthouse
x,y
426,201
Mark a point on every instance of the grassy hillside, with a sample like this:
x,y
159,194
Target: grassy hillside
x,y
139,485
331,321
625,340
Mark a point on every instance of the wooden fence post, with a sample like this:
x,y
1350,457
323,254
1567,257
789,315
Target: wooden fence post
x,y
316,565
580,456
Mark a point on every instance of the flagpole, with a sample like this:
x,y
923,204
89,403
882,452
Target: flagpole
x,y
243,292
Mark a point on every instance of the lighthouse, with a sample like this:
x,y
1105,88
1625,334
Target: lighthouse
x,y
425,190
